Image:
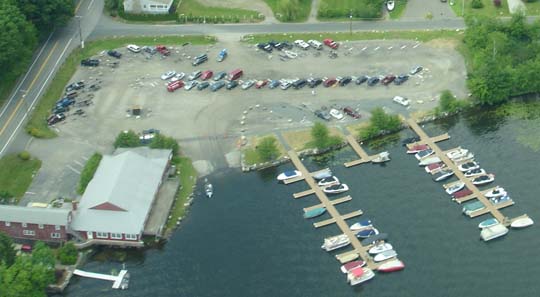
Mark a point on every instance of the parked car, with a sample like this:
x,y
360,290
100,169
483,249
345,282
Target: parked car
x,y
388,79
401,79
90,62
203,85
56,118
231,85
247,84
373,81
415,70
323,114
190,85
336,114
178,76
287,45
261,83
278,45
235,74
71,94
301,44
220,75
206,74
265,47
114,54
285,84
361,79
313,82
167,75
65,102
315,44
200,59
194,75
300,83
222,55
274,84
329,82
330,43
149,49
344,81
75,86
133,48
217,85
351,112
163,50
401,100
175,85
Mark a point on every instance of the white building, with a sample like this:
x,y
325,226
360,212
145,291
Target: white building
x,y
147,6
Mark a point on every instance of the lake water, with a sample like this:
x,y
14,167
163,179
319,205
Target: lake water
x,y
251,238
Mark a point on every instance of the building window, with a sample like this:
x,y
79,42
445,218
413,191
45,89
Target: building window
x,y
116,235
29,232
56,235
57,227
102,235
8,224
131,236
40,226
152,6
24,225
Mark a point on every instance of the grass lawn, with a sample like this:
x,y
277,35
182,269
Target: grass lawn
x,y
420,35
16,174
533,8
37,125
304,8
353,129
301,139
188,177
88,172
252,157
488,10
398,10
192,8
341,9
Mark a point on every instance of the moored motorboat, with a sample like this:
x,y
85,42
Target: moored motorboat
x,y
468,166
359,275
423,154
457,153
475,172
347,258
208,189
390,5
483,179
379,248
384,255
322,174
433,168
328,181
443,175
493,232
335,242
429,160
500,199
314,212
352,265
462,193
488,223
409,140
465,158
360,225
381,158
365,233
471,207
391,266
455,188
374,239
417,148
335,189
522,222
495,192
288,175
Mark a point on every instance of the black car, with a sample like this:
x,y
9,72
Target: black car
x,y
361,79
75,86
217,85
299,83
203,85
345,81
265,47
199,60
56,118
323,115
231,85
401,79
220,75
373,81
90,62
114,54
287,45
313,82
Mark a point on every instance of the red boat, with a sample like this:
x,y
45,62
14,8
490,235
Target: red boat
x,y
391,266
352,265
417,148
462,193
432,168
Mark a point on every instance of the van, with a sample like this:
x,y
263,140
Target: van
x,y
235,74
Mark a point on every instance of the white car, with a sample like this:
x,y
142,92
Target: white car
x,y
190,85
301,44
401,100
178,76
134,48
336,114
247,84
285,84
315,44
168,74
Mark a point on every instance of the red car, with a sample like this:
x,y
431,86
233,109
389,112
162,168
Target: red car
x,y
330,43
163,50
261,83
207,75
329,82
173,86
351,112
388,79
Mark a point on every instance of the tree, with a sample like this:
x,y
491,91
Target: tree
x,y
477,4
380,122
164,142
267,148
320,135
7,250
43,255
25,278
289,9
47,14
127,139
67,254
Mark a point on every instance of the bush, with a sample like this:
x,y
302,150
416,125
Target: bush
x,y
164,142
476,4
88,172
24,155
127,139
67,254
267,148
321,137
380,123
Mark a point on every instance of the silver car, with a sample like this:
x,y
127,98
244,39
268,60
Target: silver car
x,y
190,85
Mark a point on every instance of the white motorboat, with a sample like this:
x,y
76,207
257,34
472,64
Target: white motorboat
x,y
288,175
455,188
383,247
390,5
475,172
465,158
335,189
429,160
359,275
457,153
522,222
495,192
381,158
468,166
208,189
435,167
335,242
385,255
322,174
443,175
483,179
488,223
391,266
423,154
361,225
493,232
328,181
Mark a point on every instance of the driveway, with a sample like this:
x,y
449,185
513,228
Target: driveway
x,y
420,8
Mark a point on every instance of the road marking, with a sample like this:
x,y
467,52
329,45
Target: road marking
x,y
78,6
377,48
25,76
30,193
73,169
90,5
36,98
416,45
365,48
85,158
390,47
403,47
29,88
78,163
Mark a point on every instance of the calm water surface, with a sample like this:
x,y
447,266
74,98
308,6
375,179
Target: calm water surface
x,y
251,239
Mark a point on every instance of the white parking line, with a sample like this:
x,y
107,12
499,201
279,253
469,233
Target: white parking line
x,y
78,163
377,48
404,46
365,48
416,45
84,158
73,169
390,47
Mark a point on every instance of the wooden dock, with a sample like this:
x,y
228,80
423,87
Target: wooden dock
x,y
303,194
364,157
333,220
336,217
334,202
299,178
488,206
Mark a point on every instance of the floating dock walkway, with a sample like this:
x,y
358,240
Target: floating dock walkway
x,y
476,193
336,217
364,157
120,281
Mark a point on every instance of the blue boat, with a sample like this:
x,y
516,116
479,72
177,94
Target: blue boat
x,y
367,233
314,212
488,223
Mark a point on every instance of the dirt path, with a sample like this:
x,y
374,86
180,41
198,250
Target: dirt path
x,y
313,13
257,5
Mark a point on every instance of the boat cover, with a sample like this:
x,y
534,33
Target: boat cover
x,y
357,272
374,238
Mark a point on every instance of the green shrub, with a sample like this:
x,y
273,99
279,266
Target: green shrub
x,y
24,155
164,142
322,138
88,172
380,123
267,148
476,4
127,139
67,254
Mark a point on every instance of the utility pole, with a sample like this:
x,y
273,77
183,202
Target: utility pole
x,y
80,31
350,23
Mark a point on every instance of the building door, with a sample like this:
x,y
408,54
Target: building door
x,y
90,235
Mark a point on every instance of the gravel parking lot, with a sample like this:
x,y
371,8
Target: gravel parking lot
x,y
209,124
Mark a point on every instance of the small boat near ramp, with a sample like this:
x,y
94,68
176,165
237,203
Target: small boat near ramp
x,y
379,248
488,223
328,181
522,222
312,213
359,275
391,266
288,175
352,265
381,158
208,189
363,224
493,232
